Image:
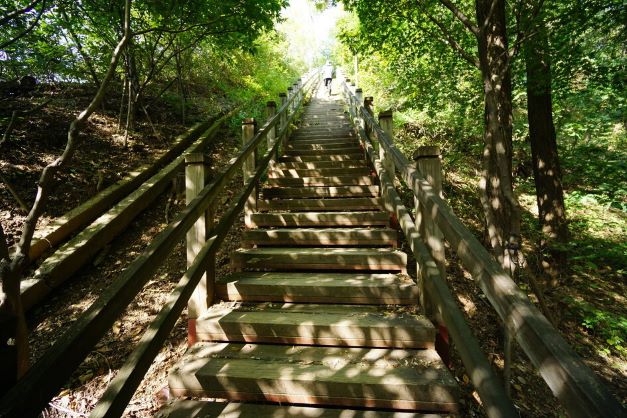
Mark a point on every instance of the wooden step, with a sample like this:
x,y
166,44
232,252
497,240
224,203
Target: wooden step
x,y
344,288
295,146
335,376
299,205
332,127
320,124
321,237
280,258
322,142
320,219
311,324
340,173
325,116
335,157
358,180
318,192
347,149
319,136
315,165
209,409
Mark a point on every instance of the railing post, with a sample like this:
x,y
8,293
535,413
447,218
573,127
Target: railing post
x,y
248,132
299,85
202,297
282,122
290,94
270,113
387,124
369,106
360,101
429,164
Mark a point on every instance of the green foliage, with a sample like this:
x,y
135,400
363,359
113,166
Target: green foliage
x,y
407,67
612,328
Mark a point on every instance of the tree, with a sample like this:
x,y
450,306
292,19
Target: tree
x,y
453,25
162,31
12,268
544,153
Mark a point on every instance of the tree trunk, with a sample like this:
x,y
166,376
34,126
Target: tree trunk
x,y
501,208
546,168
179,76
13,267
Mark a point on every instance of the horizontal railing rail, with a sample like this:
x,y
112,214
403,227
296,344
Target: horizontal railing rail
x,y
33,391
579,390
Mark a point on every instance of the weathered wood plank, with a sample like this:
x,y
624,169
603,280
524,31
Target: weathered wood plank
x,y
321,237
33,391
318,165
205,409
310,158
308,324
80,249
322,151
353,377
357,180
370,289
309,219
320,192
570,380
301,143
372,259
321,146
341,204
296,173
61,228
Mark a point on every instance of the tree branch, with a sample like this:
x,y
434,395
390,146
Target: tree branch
x,y
164,29
28,29
522,34
49,171
10,16
461,17
486,21
452,42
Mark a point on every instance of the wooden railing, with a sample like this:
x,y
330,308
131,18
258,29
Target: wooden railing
x,y
44,379
571,381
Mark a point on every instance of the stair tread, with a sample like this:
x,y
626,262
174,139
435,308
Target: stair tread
x,y
327,204
335,325
341,180
287,192
308,219
322,236
318,251
282,258
308,165
343,376
187,408
331,157
377,288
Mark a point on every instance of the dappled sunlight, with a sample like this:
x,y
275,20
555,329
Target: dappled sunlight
x,y
319,309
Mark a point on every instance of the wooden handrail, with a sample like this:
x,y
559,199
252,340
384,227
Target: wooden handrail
x,y
489,387
580,391
33,391
123,386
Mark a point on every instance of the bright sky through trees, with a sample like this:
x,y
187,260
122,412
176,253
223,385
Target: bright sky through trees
x,y
309,31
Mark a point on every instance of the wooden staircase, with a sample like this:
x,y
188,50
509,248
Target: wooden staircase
x,y
319,311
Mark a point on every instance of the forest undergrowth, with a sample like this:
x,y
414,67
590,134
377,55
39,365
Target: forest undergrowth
x,y
589,303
